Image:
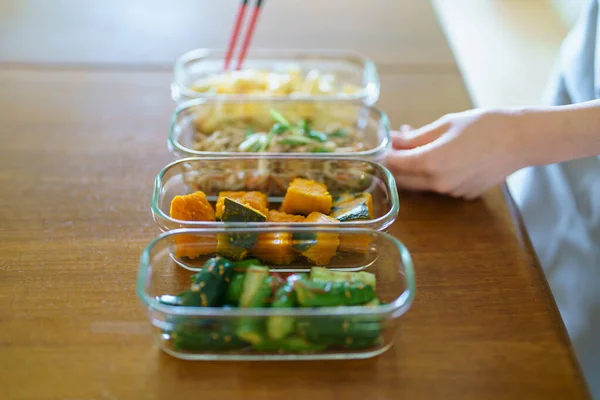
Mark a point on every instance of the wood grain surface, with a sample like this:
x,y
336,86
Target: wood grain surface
x,y
81,144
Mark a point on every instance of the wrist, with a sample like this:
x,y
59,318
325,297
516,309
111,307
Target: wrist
x,y
523,135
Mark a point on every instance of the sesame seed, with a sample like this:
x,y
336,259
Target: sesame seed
x,y
204,300
348,340
227,339
347,294
195,288
214,336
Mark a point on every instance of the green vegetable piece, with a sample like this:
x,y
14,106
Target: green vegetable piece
x,y
235,288
320,150
279,118
279,128
291,344
304,125
254,142
338,133
316,135
322,274
206,336
242,266
249,131
296,140
279,326
257,292
333,294
209,284
254,292
340,332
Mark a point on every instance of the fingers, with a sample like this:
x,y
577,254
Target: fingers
x,y
406,162
409,138
412,182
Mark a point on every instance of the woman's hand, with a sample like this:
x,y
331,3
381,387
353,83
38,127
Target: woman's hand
x,y
461,155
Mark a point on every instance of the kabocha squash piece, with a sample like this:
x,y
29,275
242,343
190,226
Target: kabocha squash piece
x,y
304,196
236,246
353,207
235,211
350,207
256,200
227,248
193,207
320,247
353,243
280,216
276,248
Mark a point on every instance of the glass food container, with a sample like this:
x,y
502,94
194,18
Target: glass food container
x,y
272,175
326,129
240,323
281,74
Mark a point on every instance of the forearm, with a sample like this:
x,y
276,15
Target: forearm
x,y
556,134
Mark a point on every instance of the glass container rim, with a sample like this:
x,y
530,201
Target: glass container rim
x,y
383,221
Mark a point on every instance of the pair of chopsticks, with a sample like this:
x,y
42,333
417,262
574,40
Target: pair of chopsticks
x,y
236,31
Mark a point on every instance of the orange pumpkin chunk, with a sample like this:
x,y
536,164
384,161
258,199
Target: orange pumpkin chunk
x,y
193,207
305,196
280,216
256,200
325,244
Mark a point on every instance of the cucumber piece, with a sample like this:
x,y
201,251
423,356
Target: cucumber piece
x,y
279,326
340,332
206,336
235,288
209,284
292,344
333,294
326,275
321,274
242,266
254,291
257,292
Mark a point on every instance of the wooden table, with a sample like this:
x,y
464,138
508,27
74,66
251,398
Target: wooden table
x,y
84,106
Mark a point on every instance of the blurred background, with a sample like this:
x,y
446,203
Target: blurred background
x,y
504,48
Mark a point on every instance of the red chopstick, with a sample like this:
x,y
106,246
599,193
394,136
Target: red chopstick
x,y
236,30
249,34
234,35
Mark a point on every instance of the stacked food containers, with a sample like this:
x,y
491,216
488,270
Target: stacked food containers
x,y
274,212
